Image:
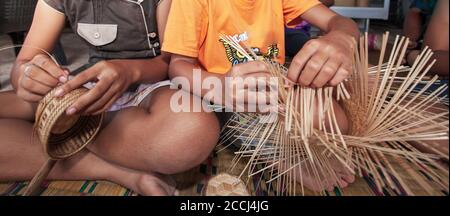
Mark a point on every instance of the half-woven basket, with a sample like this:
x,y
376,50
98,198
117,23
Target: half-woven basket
x,y
226,185
62,136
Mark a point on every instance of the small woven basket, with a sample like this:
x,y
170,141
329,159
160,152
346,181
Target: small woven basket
x,y
62,136
226,185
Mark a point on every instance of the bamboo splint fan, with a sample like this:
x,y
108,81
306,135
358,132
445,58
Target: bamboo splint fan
x,y
389,109
62,136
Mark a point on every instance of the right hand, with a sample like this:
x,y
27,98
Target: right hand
x,y
38,77
243,88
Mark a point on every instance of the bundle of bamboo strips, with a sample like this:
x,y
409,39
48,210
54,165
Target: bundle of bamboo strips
x,y
388,114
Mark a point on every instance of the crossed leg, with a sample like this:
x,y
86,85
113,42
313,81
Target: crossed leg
x,y
138,147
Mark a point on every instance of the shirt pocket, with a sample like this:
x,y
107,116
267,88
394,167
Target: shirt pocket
x,y
98,34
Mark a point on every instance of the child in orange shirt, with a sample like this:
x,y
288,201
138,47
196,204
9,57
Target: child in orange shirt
x,y
259,24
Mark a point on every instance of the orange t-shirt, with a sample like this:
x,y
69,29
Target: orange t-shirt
x,y
194,28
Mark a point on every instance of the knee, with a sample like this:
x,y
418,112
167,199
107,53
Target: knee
x,y
180,140
189,142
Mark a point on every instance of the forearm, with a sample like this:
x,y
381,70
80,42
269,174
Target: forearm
x,y
412,26
190,71
329,21
44,32
342,24
436,38
148,70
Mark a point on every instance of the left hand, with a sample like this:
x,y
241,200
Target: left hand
x,y
324,61
112,80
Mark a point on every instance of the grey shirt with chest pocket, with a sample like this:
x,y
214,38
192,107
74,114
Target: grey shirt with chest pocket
x,y
114,29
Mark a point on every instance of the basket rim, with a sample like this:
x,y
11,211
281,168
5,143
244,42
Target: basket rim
x,y
44,134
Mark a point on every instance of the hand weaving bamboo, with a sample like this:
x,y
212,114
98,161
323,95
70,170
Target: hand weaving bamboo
x,y
386,111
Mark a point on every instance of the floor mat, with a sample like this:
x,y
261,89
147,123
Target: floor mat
x,y
192,183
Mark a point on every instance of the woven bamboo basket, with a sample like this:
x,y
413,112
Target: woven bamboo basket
x,y
62,136
226,185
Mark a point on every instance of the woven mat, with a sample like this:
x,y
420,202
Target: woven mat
x,y
193,182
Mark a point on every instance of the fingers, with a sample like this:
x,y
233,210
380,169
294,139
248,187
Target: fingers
x,y
349,178
256,84
327,60
105,107
257,75
89,98
326,74
48,65
300,60
78,81
251,87
109,86
341,75
245,96
37,74
249,68
28,81
99,104
38,77
312,68
254,101
34,87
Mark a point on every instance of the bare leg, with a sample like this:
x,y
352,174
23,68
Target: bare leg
x,y
15,108
344,176
136,142
157,139
20,160
341,118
